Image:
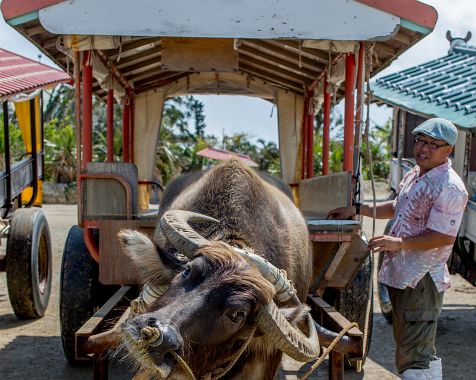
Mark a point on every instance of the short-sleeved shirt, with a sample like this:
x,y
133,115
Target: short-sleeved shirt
x,y
433,201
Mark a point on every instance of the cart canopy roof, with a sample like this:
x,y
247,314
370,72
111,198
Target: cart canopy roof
x,y
20,75
283,44
444,87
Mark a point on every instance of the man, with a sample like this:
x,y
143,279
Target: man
x,y
427,210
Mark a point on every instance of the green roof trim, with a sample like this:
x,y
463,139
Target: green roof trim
x,y
23,19
459,118
415,27
444,87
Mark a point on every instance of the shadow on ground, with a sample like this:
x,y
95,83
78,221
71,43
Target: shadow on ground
x,y
48,352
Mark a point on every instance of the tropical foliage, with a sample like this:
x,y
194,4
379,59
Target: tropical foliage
x,y
182,135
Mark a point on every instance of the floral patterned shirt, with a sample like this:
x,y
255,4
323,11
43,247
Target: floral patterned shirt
x,y
433,201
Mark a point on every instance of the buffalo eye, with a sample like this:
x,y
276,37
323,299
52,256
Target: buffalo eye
x,y
237,315
187,271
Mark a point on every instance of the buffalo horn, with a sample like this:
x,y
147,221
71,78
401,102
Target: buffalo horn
x,y
287,338
175,227
284,288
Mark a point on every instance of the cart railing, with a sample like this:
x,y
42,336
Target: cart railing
x,y
20,177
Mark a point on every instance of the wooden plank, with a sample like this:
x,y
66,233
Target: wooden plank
x,y
158,78
336,368
134,44
267,77
350,263
403,37
319,195
314,54
114,266
282,53
163,82
335,319
331,269
139,57
199,54
292,66
100,367
269,60
322,254
275,70
144,74
38,29
97,322
330,236
107,198
143,65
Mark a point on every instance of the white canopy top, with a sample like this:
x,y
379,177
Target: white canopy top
x,y
264,19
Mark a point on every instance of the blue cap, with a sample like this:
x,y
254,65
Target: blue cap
x,y
439,129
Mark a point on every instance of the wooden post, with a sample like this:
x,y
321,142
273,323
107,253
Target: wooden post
x,y
336,368
100,366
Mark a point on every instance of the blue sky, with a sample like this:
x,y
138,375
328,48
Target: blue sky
x,y
256,117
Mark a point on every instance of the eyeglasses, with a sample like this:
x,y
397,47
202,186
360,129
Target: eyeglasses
x,y
431,145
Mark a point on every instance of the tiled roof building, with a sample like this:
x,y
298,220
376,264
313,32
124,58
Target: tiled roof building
x,y
444,87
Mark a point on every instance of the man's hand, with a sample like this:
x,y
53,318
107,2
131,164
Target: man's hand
x,y
341,213
385,243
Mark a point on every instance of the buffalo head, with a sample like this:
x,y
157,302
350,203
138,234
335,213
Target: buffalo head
x,y
202,308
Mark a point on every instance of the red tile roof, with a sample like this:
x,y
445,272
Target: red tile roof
x,y
22,75
223,155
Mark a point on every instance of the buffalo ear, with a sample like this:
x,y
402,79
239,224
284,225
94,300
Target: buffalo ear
x,y
296,315
146,257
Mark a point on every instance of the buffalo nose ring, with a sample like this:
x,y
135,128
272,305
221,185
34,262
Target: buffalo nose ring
x,y
150,335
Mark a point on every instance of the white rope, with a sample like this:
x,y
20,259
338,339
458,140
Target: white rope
x,y
374,211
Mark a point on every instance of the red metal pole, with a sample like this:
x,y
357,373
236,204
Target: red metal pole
x,y
310,136
110,125
77,94
126,132
359,105
87,119
349,112
326,129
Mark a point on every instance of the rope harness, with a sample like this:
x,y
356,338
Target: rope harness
x,y
328,350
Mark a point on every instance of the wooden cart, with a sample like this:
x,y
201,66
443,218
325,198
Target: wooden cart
x,y
28,258
303,58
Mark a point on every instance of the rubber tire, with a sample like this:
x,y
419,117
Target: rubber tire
x,y
382,292
351,302
81,293
29,263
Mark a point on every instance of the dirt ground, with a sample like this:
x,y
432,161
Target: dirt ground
x,y
32,349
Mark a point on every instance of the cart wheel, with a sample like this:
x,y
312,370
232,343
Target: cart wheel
x,y
382,291
81,293
28,263
352,301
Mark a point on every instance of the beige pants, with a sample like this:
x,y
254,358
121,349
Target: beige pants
x,y
415,314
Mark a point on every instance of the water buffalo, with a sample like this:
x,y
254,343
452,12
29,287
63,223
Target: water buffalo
x,y
223,280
